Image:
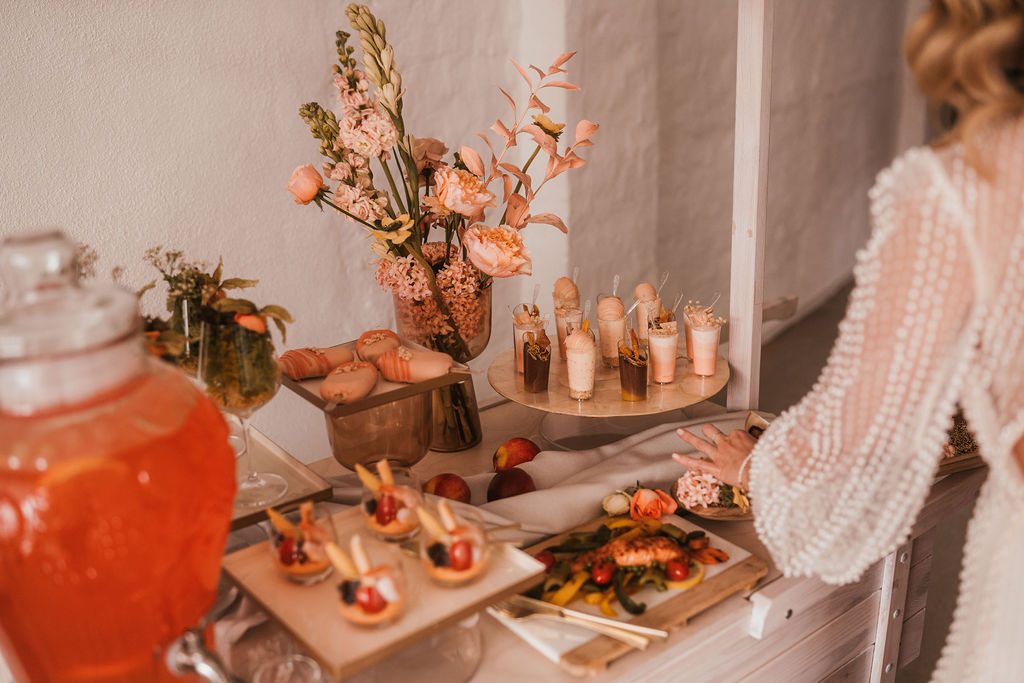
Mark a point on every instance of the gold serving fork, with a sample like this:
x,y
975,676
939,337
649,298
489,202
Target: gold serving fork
x,y
520,607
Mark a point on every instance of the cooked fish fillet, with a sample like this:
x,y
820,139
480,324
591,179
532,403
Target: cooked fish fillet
x,y
632,552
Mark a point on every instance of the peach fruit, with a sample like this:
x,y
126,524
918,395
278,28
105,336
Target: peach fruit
x,y
448,485
514,452
510,482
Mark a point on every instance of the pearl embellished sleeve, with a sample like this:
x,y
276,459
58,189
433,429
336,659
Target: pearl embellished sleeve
x,y
838,479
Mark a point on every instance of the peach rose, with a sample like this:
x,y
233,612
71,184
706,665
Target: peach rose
x,y
651,503
499,252
305,183
461,191
251,322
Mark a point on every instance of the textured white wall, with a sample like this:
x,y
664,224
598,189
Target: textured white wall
x,y
132,124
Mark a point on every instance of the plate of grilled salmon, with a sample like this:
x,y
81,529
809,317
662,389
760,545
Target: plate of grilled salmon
x,y
657,573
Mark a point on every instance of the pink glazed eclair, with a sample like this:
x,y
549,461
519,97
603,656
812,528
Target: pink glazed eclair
x,y
312,361
375,343
349,382
413,365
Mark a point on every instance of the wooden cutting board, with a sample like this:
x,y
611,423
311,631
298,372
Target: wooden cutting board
x,y
671,614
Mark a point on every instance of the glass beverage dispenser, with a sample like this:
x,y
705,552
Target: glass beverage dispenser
x,y
116,480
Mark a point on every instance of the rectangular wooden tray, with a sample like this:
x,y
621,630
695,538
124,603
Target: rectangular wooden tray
x,y
670,610
303,483
384,392
310,613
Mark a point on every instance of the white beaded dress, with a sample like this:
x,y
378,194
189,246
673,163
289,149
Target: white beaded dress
x,y
936,318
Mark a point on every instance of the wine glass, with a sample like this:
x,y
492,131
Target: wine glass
x,y
239,372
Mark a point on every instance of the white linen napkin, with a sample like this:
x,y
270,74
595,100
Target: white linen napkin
x,y
571,485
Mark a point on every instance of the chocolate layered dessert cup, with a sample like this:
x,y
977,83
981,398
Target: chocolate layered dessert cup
x,y
536,362
633,370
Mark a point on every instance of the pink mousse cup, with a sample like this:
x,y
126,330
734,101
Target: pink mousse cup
x,y
705,349
662,345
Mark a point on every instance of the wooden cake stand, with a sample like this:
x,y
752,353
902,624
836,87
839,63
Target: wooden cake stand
x,y
687,390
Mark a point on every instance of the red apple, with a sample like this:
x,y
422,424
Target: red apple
x,y
448,485
510,482
514,452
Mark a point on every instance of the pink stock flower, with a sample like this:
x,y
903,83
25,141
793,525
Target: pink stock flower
x,y
367,133
305,183
498,252
359,203
462,192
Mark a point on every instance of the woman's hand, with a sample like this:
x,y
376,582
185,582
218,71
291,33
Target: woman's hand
x,y
726,453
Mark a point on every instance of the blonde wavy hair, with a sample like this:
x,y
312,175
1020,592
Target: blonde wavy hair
x,y
964,54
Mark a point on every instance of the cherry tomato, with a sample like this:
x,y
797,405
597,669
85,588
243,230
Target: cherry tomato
x,y
677,570
387,509
286,551
461,555
602,572
547,557
370,600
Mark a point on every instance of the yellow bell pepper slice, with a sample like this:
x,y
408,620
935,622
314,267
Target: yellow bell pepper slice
x,y
606,604
593,598
695,577
620,522
566,593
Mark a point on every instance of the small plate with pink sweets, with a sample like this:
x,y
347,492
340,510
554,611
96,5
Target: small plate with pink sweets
x,y
706,496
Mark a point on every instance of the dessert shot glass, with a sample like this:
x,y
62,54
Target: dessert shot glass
x,y
373,591
524,319
632,373
389,501
536,362
581,367
705,349
298,541
453,548
563,318
662,342
646,310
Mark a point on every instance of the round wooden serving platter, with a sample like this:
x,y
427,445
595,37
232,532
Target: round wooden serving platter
x,y
687,390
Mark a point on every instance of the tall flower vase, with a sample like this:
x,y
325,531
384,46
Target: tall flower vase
x,y
463,334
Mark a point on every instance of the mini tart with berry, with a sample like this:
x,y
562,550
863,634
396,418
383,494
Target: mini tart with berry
x,y
368,595
391,511
299,550
455,551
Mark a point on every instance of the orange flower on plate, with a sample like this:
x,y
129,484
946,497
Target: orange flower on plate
x,y
462,192
251,322
651,503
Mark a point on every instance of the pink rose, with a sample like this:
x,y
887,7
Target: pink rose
x,y
499,252
651,503
461,191
305,184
